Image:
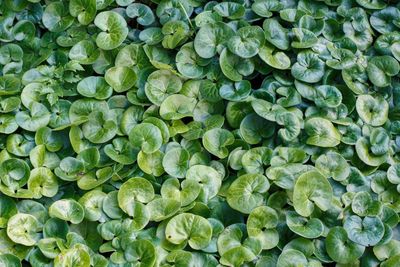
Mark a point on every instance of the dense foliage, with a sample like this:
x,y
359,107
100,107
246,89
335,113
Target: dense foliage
x,y
196,133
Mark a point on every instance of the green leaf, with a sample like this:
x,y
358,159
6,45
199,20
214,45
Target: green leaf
x,y
246,192
92,202
372,110
216,140
100,127
120,79
303,38
308,228
208,179
340,248
368,157
84,10
333,165
190,228
42,182
141,252
311,190
176,107
176,162
321,133
185,192
231,10
367,232
114,30
23,229
234,67
247,41
146,136
309,67
134,190
363,205
290,257
276,34
67,210
274,58
380,69
161,209
160,84
253,129
210,37
143,14
56,17
189,63
261,225
264,8
37,117
10,260
78,255
175,33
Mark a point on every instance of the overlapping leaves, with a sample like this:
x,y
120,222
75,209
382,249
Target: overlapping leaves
x,y
199,133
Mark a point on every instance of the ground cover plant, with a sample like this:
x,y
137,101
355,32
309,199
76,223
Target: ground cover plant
x,y
196,133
